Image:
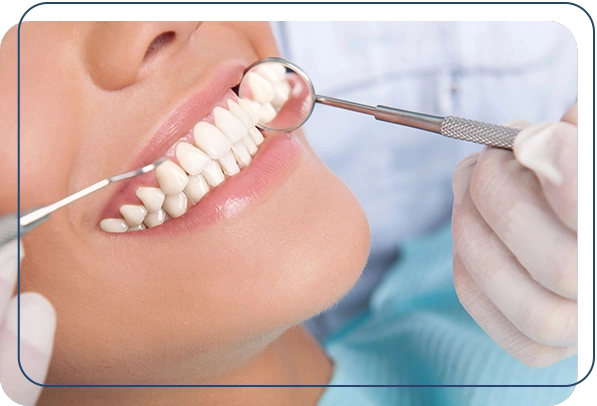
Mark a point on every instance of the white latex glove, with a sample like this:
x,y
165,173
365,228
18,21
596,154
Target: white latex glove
x,y
514,226
38,324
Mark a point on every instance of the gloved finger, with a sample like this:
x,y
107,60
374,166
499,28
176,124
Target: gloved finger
x,y
38,324
571,115
512,203
499,328
9,262
538,313
550,150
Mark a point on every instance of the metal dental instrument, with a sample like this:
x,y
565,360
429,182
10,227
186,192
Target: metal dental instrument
x,y
299,106
10,223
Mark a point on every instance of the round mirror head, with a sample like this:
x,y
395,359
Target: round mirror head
x,y
279,93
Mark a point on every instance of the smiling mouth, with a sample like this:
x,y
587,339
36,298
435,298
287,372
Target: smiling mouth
x,y
218,147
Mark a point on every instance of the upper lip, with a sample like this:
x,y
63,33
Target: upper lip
x,y
199,103
188,113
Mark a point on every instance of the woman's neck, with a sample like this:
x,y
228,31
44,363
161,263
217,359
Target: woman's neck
x,y
295,358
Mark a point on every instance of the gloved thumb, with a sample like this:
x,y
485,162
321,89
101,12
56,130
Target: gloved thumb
x,y
550,150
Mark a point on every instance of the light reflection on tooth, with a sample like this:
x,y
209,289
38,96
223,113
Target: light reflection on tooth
x,y
282,91
228,164
241,113
155,218
192,159
196,188
211,140
171,177
176,205
133,214
250,144
252,107
241,153
229,124
261,88
272,71
213,174
151,197
137,228
268,113
114,225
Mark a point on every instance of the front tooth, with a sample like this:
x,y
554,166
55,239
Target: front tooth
x,y
137,228
171,177
250,144
268,113
213,174
133,214
241,113
176,205
211,140
196,188
282,90
273,71
229,164
241,153
155,218
114,225
252,107
192,159
256,136
152,197
229,124
262,89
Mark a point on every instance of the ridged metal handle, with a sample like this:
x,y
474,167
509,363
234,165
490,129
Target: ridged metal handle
x,y
481,133
9,227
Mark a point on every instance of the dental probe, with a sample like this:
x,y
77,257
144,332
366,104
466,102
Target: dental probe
x,y
10,223
453,127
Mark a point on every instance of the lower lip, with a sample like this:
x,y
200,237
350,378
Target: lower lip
x,y
271,165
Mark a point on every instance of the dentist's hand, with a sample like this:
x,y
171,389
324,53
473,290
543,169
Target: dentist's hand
x,y
514,225
38,323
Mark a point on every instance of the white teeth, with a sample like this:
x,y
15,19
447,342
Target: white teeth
x,y
273,71
228,164
196,188
229,124
192,159
250,145
241,113
213,174
114,225
241,153
137,228
176,205
252,107
133,214
268,113
282,91
155,218
171,177
261,88
256,136
152,197
211,140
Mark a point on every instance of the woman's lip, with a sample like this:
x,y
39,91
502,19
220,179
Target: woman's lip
x,y
199,104
272,163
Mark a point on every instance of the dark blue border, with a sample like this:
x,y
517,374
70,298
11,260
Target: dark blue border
x,y
578,21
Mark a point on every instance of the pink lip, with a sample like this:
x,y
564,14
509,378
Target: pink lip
x,y
275,158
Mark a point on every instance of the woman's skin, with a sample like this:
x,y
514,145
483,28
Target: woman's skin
x,y
213,306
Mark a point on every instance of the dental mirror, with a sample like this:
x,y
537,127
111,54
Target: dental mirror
x,y
283,96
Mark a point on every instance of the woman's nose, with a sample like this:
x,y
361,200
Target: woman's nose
x,y
117,51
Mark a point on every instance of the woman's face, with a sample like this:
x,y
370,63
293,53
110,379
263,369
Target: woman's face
x,y
266,249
